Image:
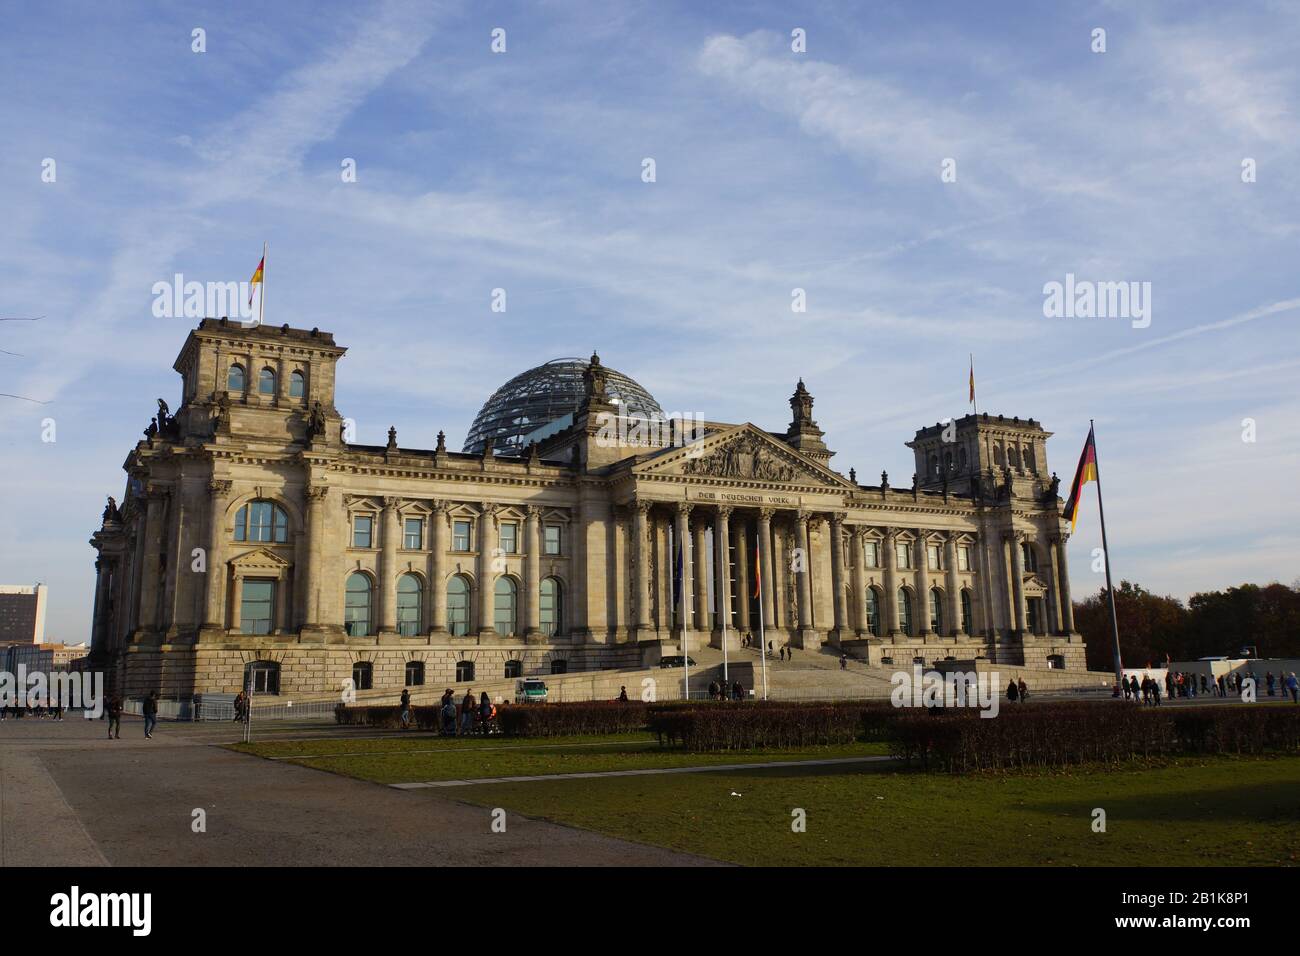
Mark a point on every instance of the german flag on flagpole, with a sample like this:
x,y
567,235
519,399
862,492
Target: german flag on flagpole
x,y
758,572
1086,472
257,277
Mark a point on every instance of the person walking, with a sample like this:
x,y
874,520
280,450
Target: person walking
x,y
737,691
467,708
150,714
1293,686
1013,692
406,709
844,662
114,709
484,713
1024,690
622,694
448,711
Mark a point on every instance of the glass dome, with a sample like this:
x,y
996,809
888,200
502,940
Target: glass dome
x,y
547,395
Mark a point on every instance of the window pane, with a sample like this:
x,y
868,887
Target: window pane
x,y
241,521
414,673
552,539
508,537
503,599
963,558
904,611
413,539
458,606
259,521
549,607
235,380
356,611
266,382
255,606
460,536
904,552
409,605
297,385
361,531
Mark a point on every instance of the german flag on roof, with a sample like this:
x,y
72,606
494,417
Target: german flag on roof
x,y
1086,472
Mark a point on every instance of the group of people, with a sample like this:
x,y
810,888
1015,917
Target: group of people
x,y
718,690
1189,685
1018,690
457,719
785,653
33,708
1148,690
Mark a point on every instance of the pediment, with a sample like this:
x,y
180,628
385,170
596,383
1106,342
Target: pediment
x,y
259,559
744,453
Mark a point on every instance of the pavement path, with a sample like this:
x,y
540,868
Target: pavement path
x,y
69,796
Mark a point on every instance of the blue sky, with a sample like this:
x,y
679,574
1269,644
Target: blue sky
x,y
775,170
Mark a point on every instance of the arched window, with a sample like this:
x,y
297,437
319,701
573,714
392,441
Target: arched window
x,y
961,458
905,611
235,378
873,611
504,600
551,607
262,677
297,384
947,462
261,521
997,455
934,465
464,671
266,382
965,610
356,607
458,605
936,610
514,669
1013,456
415,673
363,675
410,604
1030,555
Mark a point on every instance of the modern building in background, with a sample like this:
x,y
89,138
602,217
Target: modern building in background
x,y
22,613
255,542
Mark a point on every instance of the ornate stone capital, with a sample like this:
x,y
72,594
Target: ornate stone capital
x,y
724,511
684,509
318,493
642,506
220,487
837,520
765,514
391,502
533,512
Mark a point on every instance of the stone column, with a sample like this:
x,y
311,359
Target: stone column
x,y
1052,604
236,606
923,582
722,574
766,572
699,575
954,588
214,609
533,574
317,498
1063,583
641,557
388,567
804,577
1017,583
744,585
891,625
438,582
101,606
151,571
837,576
681,537
487,543
857,537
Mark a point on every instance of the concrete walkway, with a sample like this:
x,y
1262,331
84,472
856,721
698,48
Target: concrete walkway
x,y
592,774
70,796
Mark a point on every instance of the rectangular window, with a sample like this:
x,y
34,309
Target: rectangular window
x,y
256,601
904,552
460,535
508,537
551,534
413,540
361,527
932,557
872,554
963,558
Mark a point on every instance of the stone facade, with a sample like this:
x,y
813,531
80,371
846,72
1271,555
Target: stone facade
x,y
252,532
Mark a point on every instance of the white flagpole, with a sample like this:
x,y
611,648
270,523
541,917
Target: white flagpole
x,y
717,604
261,306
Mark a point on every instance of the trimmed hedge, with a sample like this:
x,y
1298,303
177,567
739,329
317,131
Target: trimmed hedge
x,y
746,726
559,720
1059,735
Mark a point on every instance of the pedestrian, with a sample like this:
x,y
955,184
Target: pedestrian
x,y
1123,683
239,707
844,662
1013,692
782,652
1169,683
467,708
1268,679
622,694
1204,687
150,714
769,648
114,709
1024,690
448,716
737,691
484,713
1293,686
406,709
1155,693
1133,685
713,690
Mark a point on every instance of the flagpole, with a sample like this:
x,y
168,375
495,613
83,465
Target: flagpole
x,y
720,607
973,403
1105,552
261,306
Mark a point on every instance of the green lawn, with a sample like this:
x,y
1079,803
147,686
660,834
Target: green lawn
x,y
413,759
1221,811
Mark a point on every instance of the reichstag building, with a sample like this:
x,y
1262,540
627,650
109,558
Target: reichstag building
x,y
255,542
